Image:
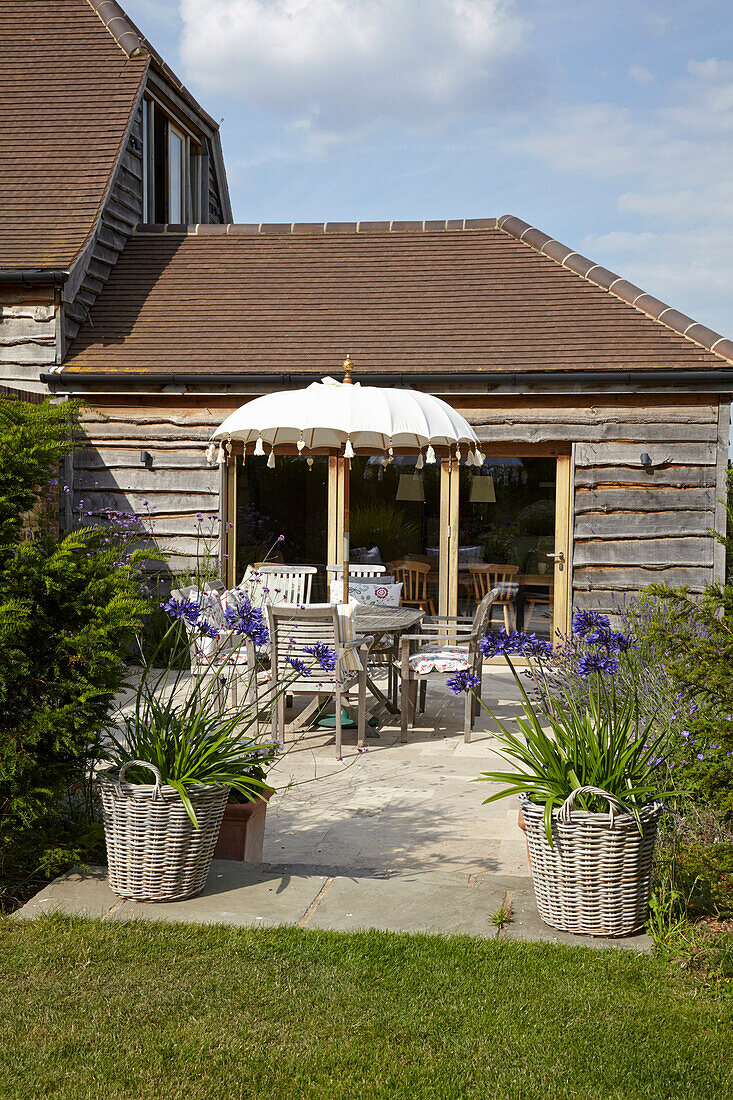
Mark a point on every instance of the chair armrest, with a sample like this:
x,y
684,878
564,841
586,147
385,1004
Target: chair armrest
x,y
447,619
357,642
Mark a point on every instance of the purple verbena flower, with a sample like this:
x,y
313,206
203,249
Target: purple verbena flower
x,y
464,680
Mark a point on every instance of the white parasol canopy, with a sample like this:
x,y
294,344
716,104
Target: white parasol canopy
x,y
330,414
339,416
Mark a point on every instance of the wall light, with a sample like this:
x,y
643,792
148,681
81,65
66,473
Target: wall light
x,y
147,459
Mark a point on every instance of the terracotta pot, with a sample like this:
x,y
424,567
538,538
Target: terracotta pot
x,y
523,827
242,830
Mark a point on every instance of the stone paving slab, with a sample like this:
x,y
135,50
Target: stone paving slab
x,y
339,898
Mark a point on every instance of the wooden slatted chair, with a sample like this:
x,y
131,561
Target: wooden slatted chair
x,y
414,576
228,657
486,577
447,644
290,584
292,629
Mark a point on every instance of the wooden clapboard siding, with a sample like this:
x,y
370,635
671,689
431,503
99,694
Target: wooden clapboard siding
x,y
630,527
28,331
171,496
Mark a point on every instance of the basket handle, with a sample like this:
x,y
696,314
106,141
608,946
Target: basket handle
x,y
141,764
613,804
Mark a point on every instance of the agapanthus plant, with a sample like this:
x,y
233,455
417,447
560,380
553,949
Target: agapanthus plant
x,y
595,737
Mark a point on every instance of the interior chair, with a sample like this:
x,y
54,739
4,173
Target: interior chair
x,y
334,572
414,576
502,578
446,644
292,629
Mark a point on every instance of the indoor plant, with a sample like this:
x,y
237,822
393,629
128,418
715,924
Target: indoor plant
x,y
586,775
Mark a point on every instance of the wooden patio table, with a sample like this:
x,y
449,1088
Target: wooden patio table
x,y
378,621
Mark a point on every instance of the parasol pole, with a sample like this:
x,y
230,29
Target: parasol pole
x,y
348,367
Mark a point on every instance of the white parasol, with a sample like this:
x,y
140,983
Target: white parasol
x,y
345,417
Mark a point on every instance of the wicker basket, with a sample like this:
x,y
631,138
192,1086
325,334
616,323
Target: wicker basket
x,y
153,850
596,880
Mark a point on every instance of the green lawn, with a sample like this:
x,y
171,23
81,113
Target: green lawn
x,y
131,1011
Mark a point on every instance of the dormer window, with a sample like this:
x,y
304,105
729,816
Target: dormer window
x,y
171,168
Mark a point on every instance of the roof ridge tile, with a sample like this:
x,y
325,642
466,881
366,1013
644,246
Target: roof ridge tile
x,y
617,285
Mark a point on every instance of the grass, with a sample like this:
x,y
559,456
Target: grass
x,y
93,1009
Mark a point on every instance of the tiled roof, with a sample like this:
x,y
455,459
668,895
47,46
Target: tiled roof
x,y
71,73
407,297
67,92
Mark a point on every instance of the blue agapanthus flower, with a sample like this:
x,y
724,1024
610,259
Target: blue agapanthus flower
x,y
498,642
585,622
183,609
325,656
597,662
516,642
207,629
463,681
247,621
299,665
611,640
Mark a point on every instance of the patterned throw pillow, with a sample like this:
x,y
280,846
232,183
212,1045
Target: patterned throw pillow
x,y
374,593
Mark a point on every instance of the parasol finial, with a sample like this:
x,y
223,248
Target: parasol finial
x,y
347,367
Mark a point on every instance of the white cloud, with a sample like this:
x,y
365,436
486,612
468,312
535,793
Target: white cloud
x,y
640,75
334,66
671,170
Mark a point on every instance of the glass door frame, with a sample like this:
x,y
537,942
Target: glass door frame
x,y
449,528
449,524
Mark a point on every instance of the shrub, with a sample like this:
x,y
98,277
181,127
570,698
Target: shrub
x,y
69,608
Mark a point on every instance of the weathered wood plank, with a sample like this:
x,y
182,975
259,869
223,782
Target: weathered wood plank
x,y
641,436
683,477
628,454
646,553
643,499
165,503
632,525
142,479
187,436
163,459
629,578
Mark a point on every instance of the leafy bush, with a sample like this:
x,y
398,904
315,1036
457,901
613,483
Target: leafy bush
x,y
69,608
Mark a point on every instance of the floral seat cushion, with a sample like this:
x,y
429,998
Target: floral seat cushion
x,y
448,658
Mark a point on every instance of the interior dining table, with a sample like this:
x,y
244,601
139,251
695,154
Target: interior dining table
x,y
378,623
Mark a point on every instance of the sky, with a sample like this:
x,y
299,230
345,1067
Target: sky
x,y
607,124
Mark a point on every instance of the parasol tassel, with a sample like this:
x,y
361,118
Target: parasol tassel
x,y
478,458
221,455
271,461
229,445
301,444
348,449
430,455
469,458
210,452
420,462
259,449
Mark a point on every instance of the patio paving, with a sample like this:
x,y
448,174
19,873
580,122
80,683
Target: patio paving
x,y
395,838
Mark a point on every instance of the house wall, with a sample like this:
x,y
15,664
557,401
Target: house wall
x,y
630,527
28,334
